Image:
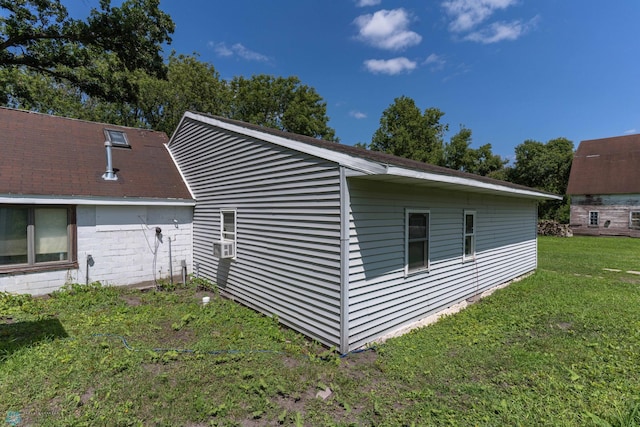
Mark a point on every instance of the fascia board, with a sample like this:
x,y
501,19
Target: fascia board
x,y
184,179
70,200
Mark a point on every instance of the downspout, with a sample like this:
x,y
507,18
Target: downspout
x,y
344,261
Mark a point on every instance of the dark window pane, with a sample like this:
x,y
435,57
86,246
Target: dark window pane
x,y
468,245
117,137
468,224
228,226
13,235
417,255
417,226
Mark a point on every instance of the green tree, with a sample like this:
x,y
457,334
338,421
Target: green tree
x,y
99,55
484,162
280,103
458,153
543,166
191,85
546,167
406,131
30,90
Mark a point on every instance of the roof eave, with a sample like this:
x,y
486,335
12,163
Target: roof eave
x,y
404,175
34,199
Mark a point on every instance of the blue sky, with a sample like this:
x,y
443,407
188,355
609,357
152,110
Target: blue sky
x,y
510,70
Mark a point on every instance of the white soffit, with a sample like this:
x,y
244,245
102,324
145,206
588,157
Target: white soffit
x,y
448,181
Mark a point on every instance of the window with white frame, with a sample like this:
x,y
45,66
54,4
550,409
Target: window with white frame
x,y
634,220
416,241
469,234
228,225
593,218
35,236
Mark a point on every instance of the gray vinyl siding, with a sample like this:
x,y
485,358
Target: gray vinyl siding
x,y
382,299
288,225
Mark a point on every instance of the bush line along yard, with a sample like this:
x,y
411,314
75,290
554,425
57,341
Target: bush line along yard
x,y
561,347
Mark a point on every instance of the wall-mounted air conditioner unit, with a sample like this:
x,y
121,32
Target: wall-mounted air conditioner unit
x,y
224,249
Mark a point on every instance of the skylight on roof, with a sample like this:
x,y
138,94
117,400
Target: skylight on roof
x,y
117,138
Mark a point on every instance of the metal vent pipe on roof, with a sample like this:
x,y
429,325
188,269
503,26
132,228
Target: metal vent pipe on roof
x,y
109,175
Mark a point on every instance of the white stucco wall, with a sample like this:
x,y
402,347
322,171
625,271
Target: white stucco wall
x,y
121,241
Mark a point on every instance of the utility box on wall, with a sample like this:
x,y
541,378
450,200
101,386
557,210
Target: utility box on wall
x,y
224,249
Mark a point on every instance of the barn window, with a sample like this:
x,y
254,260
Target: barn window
x,y
33,237
469,235
416,241
593,218
634,220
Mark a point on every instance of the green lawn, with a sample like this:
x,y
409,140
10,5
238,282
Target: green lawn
x,y
561,347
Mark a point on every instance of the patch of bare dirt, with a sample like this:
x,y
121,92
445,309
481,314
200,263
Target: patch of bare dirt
x,y
131,300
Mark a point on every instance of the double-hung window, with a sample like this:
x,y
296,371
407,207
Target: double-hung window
x,y
634,220
593,218
36,236
228,219
469,241
416,241
226,247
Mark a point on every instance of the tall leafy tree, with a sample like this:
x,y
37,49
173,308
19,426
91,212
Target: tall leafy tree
x,y
486,163
30,90
408,132
459,155
543,166
98,55
547,167
191,85
281,103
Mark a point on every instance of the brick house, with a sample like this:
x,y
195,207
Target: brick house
x,y
83,202
604,186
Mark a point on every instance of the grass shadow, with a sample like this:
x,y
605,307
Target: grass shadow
x,y
20,334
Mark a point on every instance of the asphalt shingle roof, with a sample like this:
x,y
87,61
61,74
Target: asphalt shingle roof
x,y
606,166
47,155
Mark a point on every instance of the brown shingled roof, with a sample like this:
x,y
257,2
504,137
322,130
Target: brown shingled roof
x,y
47,155
606,166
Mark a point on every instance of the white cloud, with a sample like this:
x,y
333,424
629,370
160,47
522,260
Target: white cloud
x,y
436,62
365,3
500,31
468,20
468,14
387,29
357,114
630,131
237,49
390,66
220,48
